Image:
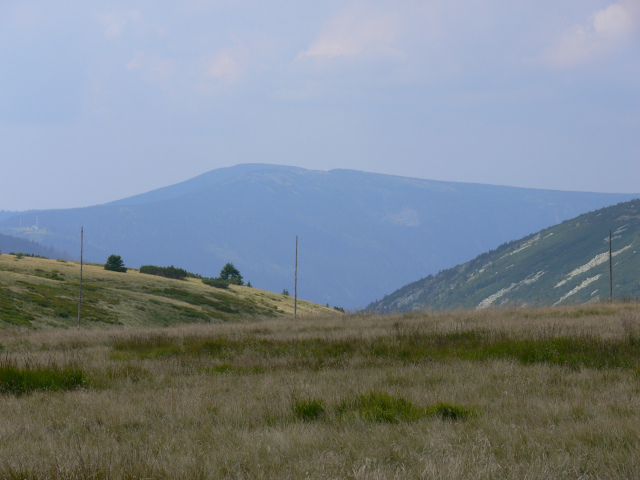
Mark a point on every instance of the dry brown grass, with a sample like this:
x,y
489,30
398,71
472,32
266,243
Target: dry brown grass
x,y
215,401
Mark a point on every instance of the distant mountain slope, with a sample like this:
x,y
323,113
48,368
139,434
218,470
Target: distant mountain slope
x,y
6,214
361,234
12,244
567,263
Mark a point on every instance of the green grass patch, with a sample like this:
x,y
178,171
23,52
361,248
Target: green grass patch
x,y
148,346
10,312
223,303
19,380
308,409
228,368
450,411
573,352
51,275
186,296
380,407
61,301
191,313
306,352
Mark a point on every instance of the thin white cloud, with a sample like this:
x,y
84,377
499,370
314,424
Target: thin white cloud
x,y
614,20
601,34
224,65
356,32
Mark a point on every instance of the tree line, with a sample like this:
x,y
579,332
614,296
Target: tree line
x,y
229,275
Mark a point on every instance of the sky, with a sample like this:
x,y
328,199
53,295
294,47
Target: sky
x,y
104,100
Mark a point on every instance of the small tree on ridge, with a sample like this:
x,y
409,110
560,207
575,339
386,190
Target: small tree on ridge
x,y
231,274
115,264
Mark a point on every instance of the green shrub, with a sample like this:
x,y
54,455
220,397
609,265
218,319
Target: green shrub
x,y
167,272
52,275
216,282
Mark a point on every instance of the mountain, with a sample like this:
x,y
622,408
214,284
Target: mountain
x,y
40,293
564,264
361,235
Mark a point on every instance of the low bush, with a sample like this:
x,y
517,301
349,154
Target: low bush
x,y
167,272
216,282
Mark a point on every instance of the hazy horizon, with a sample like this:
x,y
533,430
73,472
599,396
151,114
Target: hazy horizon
x,y
99,102
320,170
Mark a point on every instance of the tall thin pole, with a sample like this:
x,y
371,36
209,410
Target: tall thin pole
x,y
610,270
295,284
80,296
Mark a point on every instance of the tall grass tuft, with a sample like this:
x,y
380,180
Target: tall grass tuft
x,y
380,407
449,411
631,327
308,410
22,379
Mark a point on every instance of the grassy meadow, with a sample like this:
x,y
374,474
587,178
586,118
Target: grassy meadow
x,y
537,394
39,293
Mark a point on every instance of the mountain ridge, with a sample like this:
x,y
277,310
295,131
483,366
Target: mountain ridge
x,y
361,234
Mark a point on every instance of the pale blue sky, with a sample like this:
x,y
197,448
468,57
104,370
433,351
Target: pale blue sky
x,y
102,100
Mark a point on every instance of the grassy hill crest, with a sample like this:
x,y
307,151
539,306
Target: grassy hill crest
x,y
37,293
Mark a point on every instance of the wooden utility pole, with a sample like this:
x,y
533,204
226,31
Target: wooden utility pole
x,y
80,296
295,284
610,270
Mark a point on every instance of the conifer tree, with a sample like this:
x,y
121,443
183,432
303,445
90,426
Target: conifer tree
x,y
115,264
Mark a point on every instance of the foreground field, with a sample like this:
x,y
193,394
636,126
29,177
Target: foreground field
x,y
550,393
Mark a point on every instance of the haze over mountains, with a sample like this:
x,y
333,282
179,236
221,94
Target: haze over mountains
x,y
362,235
10,244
